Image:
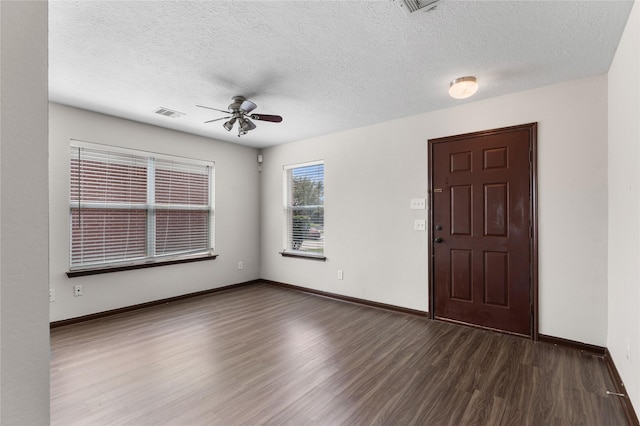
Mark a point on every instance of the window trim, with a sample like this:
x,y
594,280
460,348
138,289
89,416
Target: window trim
x,y
150,259
303,255
285,198
134,266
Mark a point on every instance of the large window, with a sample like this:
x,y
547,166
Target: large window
x,y
304,209
131,207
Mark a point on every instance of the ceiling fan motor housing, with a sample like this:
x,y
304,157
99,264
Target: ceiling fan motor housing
x,y
235,105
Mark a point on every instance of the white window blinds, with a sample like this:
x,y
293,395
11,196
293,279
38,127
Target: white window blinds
x,y
130,207
304,208
182,207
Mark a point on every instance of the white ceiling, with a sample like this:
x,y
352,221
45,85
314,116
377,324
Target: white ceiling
x,y
324,66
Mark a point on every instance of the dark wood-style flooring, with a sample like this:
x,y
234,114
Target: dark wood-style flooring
x,y
261,354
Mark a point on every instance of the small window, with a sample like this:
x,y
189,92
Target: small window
x,y
132,207
304,209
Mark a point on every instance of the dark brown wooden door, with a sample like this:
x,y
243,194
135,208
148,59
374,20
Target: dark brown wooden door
x,y
482,206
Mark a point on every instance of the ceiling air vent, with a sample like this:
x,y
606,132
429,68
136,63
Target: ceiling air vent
x,y
169,112
410,6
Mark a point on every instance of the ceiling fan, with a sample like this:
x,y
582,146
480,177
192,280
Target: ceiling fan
x,y
240,111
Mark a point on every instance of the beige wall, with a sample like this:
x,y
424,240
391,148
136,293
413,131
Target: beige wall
x,y
623,339
24,306
371,174
236,215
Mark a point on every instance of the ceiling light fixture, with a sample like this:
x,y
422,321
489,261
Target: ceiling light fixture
x,y
229,124
463,87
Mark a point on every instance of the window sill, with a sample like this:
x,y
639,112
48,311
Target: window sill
x,y
303,255
106,270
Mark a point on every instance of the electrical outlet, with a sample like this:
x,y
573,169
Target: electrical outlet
x,y
52,295
419,225
340,276
77,290
240,265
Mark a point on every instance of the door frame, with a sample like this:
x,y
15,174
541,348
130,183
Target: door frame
x,y
533,211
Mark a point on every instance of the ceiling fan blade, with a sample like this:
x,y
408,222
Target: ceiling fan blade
x,y
247,106
267,117
215,109
217,119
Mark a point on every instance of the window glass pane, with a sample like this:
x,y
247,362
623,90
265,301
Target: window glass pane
x,y
107,235
181,231
180,183
107,177
307,185
305,209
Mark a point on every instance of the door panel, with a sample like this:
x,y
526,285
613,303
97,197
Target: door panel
x,y
496,278
461,210
461,286
496,217
482,208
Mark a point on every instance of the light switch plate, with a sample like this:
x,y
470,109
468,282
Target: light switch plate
x,y
418,203
419,225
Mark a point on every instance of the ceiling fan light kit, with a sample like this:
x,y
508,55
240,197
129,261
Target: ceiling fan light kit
x,y
229,124
247,106
463,87
240,110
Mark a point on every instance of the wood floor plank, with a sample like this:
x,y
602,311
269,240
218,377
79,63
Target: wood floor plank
x,y
262,354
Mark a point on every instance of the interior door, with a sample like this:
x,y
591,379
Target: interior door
x,y
483,229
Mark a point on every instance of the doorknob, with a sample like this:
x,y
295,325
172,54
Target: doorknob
x,y
438,227
437,240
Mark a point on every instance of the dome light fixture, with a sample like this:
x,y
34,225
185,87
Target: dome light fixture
x,y
463,87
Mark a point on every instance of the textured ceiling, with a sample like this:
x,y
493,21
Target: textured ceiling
x,y
325,66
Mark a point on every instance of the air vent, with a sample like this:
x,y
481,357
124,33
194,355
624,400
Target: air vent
x,y
410,6
169,112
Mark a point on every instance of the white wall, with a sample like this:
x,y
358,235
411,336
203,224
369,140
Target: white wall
x,y
624,207
24,310
236,215
371,173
